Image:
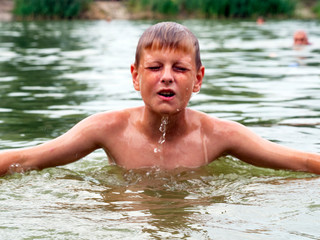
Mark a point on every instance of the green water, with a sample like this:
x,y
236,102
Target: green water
x,y
53,74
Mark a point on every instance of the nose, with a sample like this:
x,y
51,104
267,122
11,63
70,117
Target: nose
x,y
167,77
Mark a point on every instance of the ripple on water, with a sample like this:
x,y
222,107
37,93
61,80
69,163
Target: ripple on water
x,y
53,74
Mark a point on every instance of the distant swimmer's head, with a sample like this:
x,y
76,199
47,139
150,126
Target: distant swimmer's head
x,y
260,20
168,35
300,38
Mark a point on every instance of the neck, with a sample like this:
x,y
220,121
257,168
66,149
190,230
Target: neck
x,y
154,124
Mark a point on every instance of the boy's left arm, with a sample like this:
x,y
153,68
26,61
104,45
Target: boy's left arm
x,y
249,147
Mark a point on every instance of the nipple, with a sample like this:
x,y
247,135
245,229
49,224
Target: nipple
x,y
163,130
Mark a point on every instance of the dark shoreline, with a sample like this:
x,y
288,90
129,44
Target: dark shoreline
x,y
109,10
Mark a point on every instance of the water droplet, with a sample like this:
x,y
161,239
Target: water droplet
x,y
195,93
156,150
164,123
162,139
162,129
15,167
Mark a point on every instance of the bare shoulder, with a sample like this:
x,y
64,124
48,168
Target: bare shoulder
x,y
220,136
214,125
101,127
110,120
231,136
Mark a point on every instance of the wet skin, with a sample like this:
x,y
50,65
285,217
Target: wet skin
x,y
166,80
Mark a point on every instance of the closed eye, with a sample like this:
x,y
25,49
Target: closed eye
x,y
180,69
155,68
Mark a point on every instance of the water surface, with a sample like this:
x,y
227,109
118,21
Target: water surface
x,y
53,74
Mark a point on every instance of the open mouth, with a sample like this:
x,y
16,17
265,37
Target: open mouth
x,y
166,93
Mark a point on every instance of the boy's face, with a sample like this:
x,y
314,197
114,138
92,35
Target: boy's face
x,y
166,79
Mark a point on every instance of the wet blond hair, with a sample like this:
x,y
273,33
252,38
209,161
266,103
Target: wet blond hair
x,y
168,35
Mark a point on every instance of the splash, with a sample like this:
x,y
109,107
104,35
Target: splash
x,y
15,168
163,130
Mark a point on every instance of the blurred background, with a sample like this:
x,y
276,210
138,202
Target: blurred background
x,y
151,9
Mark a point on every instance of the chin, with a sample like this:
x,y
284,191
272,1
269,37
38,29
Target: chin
x,y
166,109
171,111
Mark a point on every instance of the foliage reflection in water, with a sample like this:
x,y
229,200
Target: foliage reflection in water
x,y
54,74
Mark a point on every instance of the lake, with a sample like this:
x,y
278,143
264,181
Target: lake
x,y
53,74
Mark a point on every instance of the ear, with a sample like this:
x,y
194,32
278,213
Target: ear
x,y
199,78
135,78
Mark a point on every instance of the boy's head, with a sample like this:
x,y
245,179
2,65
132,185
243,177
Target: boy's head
x,y
170,35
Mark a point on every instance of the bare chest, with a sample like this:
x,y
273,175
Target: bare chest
x,y
138,152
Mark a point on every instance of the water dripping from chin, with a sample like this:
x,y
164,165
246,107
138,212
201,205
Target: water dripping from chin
x,y
163,130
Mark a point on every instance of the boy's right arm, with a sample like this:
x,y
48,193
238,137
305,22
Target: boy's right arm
x,y
79,141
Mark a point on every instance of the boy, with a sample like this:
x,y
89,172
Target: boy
x,y
164,132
